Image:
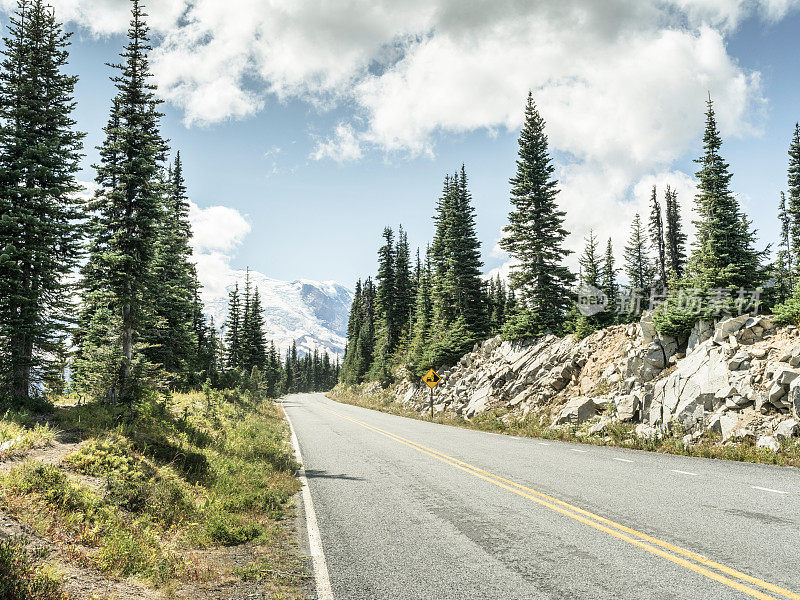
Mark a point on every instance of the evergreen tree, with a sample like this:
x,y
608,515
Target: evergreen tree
x,y
386,322
782,270
254,346
353,331
535,235
173,339
591,272
459,313
793,205
128,209
657,238
608,283
421,329
404,284
590,262
675,238
233,327
365,343
722,255
637,262
40,218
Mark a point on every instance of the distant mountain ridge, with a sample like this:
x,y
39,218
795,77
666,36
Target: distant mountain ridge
x,y
314,314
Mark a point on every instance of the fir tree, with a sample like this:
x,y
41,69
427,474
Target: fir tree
x,y
404,284
233,327
608,283
173,338
782,270
421,328
127,209
722,255
387,330
675,238
590,262
254,348
365,344
535,235
793,205
40,218
657,238
459,312
637,262
591,272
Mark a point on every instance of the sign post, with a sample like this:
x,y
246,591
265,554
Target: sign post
x,y
431,379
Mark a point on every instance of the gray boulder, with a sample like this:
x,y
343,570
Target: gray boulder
x,y
728,327
768,442
740,361
794,398
691,388
626,407
786,429
702,331
724,424
578,410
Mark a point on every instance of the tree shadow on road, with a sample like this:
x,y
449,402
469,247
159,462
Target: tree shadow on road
x,y
319,474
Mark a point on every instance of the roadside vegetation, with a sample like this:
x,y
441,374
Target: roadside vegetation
x,y
151,489
613,434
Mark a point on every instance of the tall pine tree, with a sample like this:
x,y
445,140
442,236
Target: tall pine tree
x,y
722,254
657,242
173,339
128,210
638,267
40,218
535,235
793,204
675,238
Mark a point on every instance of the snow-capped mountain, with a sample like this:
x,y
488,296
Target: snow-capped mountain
x,y
312,313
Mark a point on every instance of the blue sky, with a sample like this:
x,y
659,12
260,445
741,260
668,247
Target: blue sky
x,y
345,122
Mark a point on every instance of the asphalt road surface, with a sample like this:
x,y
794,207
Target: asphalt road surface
x,y
413,510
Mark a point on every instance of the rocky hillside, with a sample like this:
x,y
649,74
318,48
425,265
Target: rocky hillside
x,y
739,378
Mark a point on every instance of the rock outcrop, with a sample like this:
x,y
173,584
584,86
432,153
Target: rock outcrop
x,y
738,378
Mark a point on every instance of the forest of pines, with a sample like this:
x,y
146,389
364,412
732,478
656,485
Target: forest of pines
x,y
101,298
452,306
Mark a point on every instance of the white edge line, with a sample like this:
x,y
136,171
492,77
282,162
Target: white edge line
x,y
763,489
324,591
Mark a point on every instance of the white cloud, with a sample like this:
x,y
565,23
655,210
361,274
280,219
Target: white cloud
x,y
621,83
218,231
344,146
102,17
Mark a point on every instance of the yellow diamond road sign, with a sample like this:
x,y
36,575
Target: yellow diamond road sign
x,y
431,379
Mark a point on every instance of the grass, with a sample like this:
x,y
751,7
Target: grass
x,y
151,486
25,431
614,434
23,578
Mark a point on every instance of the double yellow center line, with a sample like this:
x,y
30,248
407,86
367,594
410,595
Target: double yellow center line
x,y
695,562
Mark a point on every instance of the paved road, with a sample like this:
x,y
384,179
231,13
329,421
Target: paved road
x,y
414,510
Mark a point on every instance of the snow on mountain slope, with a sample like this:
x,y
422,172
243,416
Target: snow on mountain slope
x,y
312,313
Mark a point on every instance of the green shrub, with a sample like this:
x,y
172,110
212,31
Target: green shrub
x,y
20,579
229,530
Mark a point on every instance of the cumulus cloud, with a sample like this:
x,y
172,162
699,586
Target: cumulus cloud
x,y
344,146
218,231
621,83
